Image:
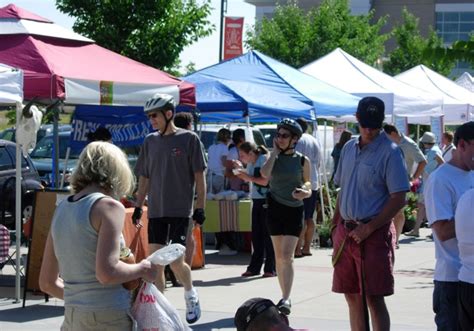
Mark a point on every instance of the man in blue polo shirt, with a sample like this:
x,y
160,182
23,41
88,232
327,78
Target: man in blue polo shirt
x,y
373,181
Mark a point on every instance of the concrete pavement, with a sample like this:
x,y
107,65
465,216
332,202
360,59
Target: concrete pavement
x,y
222,290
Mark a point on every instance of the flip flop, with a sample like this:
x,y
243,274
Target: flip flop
x,y
297,256
307,254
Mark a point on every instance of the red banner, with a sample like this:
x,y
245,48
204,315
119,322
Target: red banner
x,y
233,29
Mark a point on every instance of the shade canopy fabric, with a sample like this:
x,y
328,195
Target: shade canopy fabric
x,y
466,81
11,85
60,65
458,103
344,71
268,87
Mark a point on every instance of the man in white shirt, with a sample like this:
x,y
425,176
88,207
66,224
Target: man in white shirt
x,y
464,230
309,146
442,193
217,156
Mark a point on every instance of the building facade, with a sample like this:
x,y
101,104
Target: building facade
x,y
452,19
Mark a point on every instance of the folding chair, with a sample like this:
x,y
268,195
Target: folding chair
x,y
5,256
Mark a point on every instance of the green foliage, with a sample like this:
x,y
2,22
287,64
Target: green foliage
x,y
153,32
459,51
412,47
297,38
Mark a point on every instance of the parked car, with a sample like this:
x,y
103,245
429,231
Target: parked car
x,y
208,132
45,129
29,183
269,131
42,156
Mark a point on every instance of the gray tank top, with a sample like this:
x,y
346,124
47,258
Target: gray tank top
x,y
75,244
287,174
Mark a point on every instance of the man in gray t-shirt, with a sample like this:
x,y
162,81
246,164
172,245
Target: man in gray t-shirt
x,y
170,166
412,154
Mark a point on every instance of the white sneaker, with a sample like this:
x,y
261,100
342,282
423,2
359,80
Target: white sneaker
x,y
193,308
225,250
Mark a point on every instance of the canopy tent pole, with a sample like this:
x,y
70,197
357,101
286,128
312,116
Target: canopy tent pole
x,y
324,170
18,209
68,151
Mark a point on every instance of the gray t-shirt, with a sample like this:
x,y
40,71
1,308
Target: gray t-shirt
x,y
411,152
368,176
169,162
309,146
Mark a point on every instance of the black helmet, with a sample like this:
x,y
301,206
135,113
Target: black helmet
x,y
292,126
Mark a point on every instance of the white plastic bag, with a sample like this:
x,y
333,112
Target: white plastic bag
x,y
152,311
167,254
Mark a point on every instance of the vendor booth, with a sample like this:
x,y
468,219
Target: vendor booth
x,y
458,103
351,75
11,93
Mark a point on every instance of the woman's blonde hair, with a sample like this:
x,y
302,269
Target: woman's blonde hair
x,y
104,164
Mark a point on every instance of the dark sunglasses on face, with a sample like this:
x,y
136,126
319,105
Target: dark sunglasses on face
x,y
152,115
283,135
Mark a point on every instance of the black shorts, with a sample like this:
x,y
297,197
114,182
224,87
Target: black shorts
x,y
164,230
310,204
283,220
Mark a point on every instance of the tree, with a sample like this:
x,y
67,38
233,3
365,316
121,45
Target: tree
x,y
411,48
297,38
153,32
459,51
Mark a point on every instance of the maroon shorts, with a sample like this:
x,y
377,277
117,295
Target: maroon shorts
x,y
378,262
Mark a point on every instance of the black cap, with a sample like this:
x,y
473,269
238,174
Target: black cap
x,y
371,112
249,310
464,132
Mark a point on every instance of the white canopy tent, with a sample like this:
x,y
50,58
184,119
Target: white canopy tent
x,y
11,93
458,103
466,81
344,71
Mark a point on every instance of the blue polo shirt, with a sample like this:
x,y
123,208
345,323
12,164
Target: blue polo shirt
x,y
368,176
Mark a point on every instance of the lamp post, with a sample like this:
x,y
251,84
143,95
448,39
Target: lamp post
x,y
221,39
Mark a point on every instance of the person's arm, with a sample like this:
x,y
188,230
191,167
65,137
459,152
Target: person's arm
x,y
49,280
107,217
305,191
444,229
419,169
262,181
200,189
141,191
266,170
439,159
389,210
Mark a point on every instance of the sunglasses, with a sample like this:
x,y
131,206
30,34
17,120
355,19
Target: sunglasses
x,y
152,115
283,135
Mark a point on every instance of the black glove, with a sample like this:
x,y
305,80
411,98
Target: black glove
x,y
137,215
199,216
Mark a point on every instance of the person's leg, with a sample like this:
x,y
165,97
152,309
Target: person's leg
x,y
190,245
378,313
356,311
182,272
256,260
399,222
466,306
299,244
445,305
420,217
160,281
310,227
284,247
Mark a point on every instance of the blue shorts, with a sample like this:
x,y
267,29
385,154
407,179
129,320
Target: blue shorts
x,y
310,204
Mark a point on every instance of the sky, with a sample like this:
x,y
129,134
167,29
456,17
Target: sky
x,y
203,53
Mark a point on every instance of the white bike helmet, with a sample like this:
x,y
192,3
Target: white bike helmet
x,y
159,102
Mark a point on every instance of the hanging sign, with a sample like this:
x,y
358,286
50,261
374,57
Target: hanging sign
x,y
233,29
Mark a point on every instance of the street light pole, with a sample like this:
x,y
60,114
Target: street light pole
x,y
221,39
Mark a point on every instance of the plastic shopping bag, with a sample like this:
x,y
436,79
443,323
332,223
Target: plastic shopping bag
x,y
167,254
152,311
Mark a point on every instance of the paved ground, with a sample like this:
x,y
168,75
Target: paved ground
x,y
222,290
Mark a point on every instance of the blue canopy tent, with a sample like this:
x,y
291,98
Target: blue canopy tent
x,y
265,89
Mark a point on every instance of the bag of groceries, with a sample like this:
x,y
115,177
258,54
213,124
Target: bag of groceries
x,y
153,311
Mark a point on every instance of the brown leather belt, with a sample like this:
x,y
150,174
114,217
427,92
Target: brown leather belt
x,y
352,224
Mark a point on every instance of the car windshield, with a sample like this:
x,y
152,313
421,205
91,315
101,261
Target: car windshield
x,y
44,148
208,138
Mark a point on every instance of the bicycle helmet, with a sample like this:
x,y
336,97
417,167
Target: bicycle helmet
x,y
159,102
292,126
